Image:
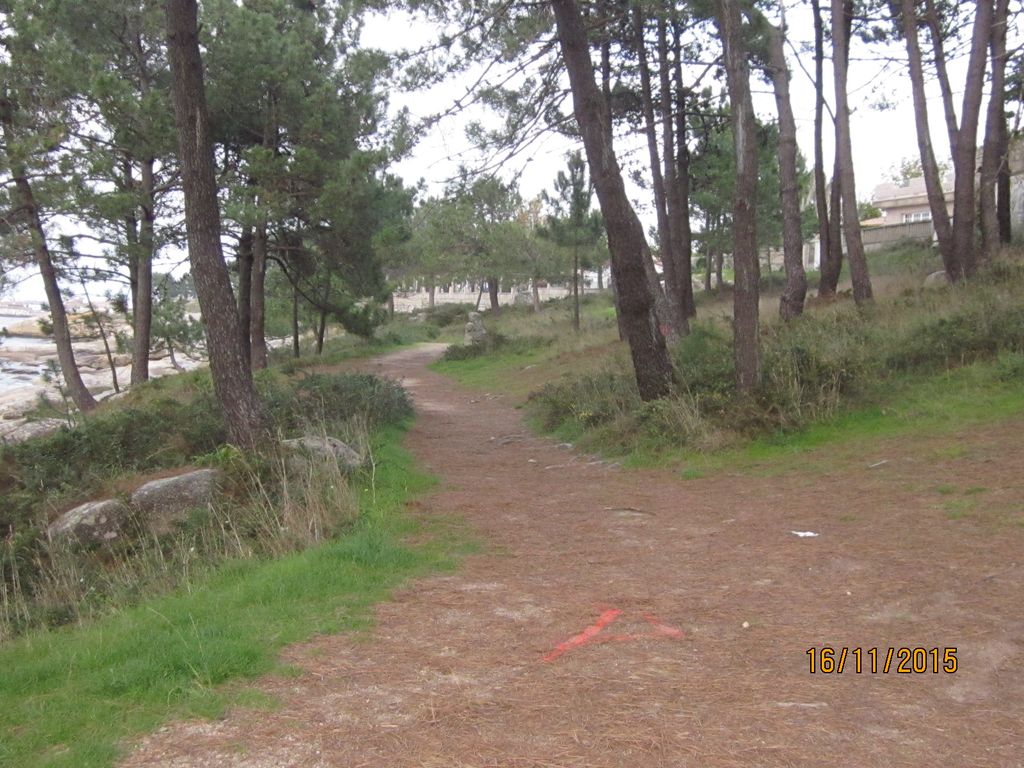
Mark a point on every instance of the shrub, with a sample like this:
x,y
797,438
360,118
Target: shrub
x,y
980,328
704,363
43,583
587,400
444,315
496,343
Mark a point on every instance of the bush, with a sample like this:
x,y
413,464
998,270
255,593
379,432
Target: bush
x,y
444,315
978,329
811,365
496,343
39,477
587,401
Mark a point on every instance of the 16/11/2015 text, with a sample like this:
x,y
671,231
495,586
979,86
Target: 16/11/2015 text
x,y
905,661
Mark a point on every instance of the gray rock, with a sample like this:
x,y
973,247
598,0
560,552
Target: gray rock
x,y
936,279
475,331
29,429
170,500
94,522
305,449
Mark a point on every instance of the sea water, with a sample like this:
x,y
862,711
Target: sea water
x,y
16,373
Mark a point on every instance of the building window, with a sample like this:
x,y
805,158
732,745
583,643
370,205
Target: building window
x,y
910,218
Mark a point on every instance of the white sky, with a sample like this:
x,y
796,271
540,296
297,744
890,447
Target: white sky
x,y
881,138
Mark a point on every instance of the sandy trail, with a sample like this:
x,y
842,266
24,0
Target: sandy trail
x,y
454,674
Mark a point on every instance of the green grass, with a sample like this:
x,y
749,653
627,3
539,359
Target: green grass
x,y
488,372
917,361
76,696
922,405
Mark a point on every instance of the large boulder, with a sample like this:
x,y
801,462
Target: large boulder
x,y
170,500
475,331
16,431
95,522
303,450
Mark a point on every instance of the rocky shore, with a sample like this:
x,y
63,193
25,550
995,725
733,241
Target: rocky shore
x,y
25,355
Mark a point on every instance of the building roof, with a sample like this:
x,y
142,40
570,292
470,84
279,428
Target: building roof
x,y
912,192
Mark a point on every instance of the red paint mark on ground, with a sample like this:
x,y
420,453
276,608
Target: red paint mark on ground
x,y
592,634
586,636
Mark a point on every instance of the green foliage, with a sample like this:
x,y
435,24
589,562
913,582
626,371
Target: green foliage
x,y
76,696
813,368
993,323
155,431
590,400
496,344
446,315
324,399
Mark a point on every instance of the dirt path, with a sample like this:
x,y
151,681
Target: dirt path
x,y
455,672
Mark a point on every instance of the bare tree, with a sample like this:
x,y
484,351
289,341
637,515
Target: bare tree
x,y
25,197
820,185
956,236
232,378
791,304
995,126
841,10
746,340
651,364
666,244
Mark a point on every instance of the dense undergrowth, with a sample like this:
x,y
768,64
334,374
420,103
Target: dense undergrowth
x,y
835,358
265,508
73,696
102,643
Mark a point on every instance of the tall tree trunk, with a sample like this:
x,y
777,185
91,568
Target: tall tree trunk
x,y
791,304
492,293
833,267
321,332
321,328
820,185
842,14
131,232
679,190
676,315
746,340
232,378
576,288
995,115
108,353
1003,185
25,196
142,314
930,168
536,295
651,363
243,259
258,299
681,296
965,153
432,291
619,321
939,59
296,350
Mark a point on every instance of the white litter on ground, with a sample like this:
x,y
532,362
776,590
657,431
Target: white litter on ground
x,y
805,534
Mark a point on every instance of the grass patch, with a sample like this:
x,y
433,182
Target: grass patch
x,y
73,696
920,360
268,506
